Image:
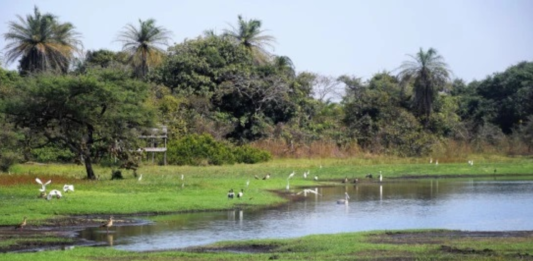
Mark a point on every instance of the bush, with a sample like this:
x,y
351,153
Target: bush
x,y
203,149
249,155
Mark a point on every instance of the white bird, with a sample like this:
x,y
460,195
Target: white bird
x,y
305,191
43,185
54,193
140,177
316,177
305,174
68,188
471,162
437,162
240,194
247,183
380,177
430,160
288,186
291,175
182,177
345,200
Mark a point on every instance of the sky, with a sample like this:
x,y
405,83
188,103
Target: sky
x,y
337,37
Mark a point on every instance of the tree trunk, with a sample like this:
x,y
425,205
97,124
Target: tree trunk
x,y
89,168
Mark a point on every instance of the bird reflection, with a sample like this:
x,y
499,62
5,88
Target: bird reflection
x,y
109,239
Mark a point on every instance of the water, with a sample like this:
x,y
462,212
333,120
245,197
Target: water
x,y
482,205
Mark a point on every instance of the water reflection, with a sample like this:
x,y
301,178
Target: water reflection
x,y
450,204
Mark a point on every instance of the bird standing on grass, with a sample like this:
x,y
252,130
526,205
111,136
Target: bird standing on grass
x,y
68,188
54,193
291,175
240,194
266,177
21,225
231,194
108,224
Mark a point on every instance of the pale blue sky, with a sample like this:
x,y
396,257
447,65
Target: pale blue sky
x,y
360,38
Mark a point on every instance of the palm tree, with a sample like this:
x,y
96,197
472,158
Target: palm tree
x,y
285,65
144,44
250,36
427,71
41,42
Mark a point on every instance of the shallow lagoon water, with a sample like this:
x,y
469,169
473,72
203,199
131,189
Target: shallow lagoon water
x,y
474,204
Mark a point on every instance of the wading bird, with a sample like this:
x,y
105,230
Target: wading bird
x,y
305,191
345,200
231,194
140,177
291,175
380,177
305,174
288,186
68,188
247,183
108,224
54,193
43,185
21,225
316,178
240,194
345,180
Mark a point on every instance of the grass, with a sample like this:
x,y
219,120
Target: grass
x,y
384,245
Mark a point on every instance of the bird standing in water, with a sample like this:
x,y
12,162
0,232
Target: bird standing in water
x,y
108,224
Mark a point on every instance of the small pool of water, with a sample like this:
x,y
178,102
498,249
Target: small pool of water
x,y
482,205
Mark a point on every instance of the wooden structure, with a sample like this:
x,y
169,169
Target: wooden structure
x,y
157,142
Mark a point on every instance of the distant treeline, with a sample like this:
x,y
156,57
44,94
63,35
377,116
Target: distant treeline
x,y
222,91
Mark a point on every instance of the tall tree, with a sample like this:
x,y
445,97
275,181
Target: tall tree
x,y
41,42
250,36
427,71
87,114
144,44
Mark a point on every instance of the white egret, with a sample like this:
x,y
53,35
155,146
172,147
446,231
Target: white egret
x,y
291,175
21,225
247,183
305,174
437,162
345,200
140,177
108,224
68,188
305,191
54,193
182,176
288,186
43,185
380,177
316,178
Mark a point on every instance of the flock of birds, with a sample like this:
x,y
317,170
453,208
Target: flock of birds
x,y
54,192
231,194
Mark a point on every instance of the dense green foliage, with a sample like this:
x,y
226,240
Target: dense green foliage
x,y
196,149
230,89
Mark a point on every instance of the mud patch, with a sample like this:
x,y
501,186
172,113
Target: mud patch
x,y
439,237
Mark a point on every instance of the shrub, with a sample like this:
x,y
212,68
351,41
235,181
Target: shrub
x,y
203,149
249,155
